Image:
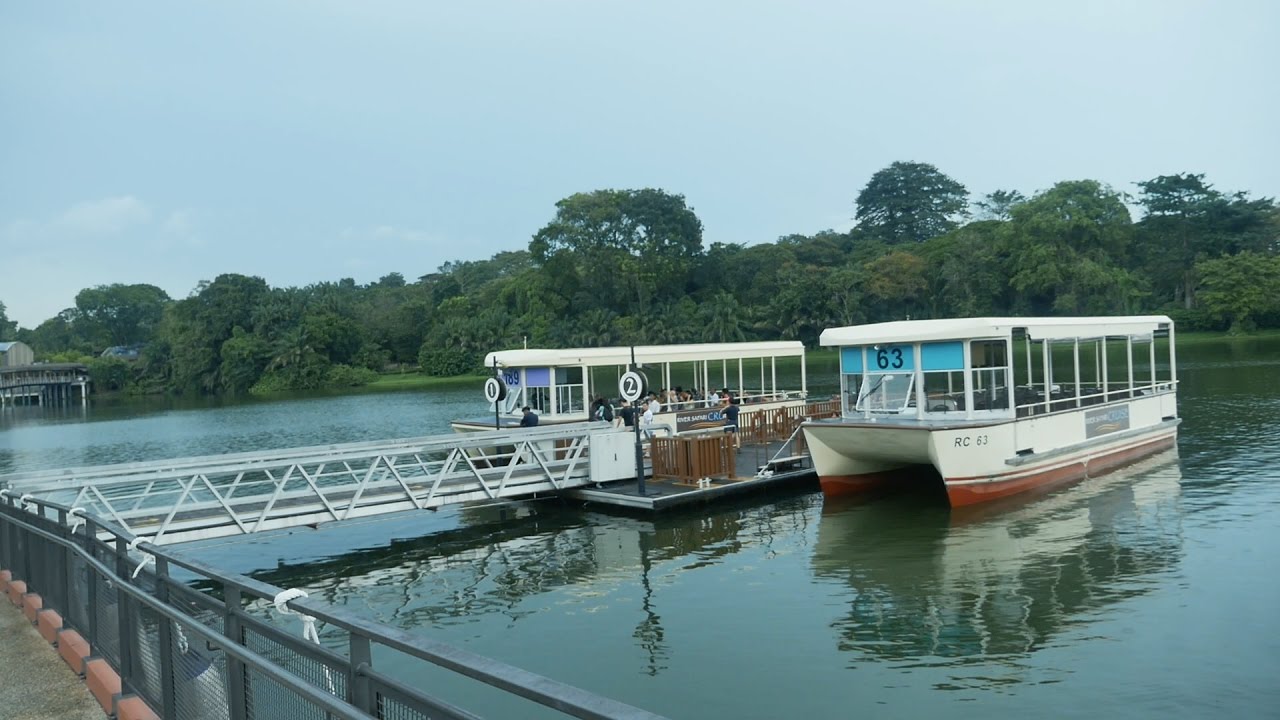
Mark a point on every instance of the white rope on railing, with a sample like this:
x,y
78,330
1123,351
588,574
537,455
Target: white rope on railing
x,y
281,600
76,521
147,558
308,622
25,500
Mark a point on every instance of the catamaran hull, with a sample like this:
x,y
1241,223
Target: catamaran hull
x,y
980,462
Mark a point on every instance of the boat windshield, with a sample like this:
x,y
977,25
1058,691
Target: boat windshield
x,y
882,392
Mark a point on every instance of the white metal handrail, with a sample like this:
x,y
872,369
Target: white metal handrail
x,y
197,498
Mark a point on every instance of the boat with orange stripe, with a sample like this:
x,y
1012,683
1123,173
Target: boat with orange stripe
x,y
996,406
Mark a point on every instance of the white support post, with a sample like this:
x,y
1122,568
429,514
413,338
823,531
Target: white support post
x,y
1075,358
968,377
1106,380
1046,349
804,378
1129,356
918,372
1152,366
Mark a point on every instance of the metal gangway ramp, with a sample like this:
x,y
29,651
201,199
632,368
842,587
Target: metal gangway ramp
x,y
172,501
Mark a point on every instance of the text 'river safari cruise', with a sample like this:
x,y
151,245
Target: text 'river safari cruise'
x,y
996,405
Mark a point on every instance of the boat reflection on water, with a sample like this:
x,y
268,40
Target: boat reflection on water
x,y
505,560
940,586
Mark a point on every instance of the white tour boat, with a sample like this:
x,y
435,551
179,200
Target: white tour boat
x,y
996,405
561,385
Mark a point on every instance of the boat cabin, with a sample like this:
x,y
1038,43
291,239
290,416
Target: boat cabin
x,y
560,385
990,369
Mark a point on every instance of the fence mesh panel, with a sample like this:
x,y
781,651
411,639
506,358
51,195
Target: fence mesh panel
x,y
106,643
392,709
329,678
268,700
199,674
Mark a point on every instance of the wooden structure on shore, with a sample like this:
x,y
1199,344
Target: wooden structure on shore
x,y
45,384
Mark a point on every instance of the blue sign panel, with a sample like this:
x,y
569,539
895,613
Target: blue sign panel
x,y
537,377
942,356
890,358
851,360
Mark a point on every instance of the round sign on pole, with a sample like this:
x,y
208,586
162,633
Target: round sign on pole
x,y
632,385
495,390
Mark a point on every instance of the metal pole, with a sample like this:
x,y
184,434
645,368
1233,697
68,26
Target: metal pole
x,y
237,686
637,416
497,422
168,693
361,658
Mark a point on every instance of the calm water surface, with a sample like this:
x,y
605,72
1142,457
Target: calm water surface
x,y
1150,592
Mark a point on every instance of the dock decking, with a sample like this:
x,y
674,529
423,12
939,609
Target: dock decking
x,y
661,494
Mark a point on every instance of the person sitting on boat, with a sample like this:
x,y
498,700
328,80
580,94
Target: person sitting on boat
x,y
530,418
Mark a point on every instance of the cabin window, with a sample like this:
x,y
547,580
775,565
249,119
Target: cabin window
x,y
1143,365
539,398
570,395
989,360
851,377
942,375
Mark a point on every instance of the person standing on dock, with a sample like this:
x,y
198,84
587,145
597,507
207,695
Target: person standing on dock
x,y
530,418
731,421
627,415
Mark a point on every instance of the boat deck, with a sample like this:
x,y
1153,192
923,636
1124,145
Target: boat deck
x,y
788,471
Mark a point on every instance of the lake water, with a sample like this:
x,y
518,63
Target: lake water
x,y
1150,592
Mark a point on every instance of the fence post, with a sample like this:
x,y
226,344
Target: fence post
x,y
237,693
91,608
63,603
361,660
125,610
168,695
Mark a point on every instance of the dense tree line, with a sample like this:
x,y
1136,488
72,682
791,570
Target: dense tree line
x,y
629,266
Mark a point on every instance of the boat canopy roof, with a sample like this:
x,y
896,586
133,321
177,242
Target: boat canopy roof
x,y
1037,328
645,354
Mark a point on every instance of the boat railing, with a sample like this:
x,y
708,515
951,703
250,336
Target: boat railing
x,y
770,424
1031,400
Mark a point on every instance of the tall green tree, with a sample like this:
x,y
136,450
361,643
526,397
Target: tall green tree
x,y
910,202
1066,251
1177,231
8,328
1187,221
619,249
1238,288
998,205
121,314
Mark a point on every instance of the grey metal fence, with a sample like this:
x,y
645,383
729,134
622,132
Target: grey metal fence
x,y
212,654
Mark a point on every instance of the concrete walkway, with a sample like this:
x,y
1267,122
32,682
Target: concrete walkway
x,y
35,683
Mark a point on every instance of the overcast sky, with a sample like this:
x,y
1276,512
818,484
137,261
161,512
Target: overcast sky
x,y
166,143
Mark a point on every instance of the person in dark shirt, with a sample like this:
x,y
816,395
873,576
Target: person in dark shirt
x,y
731,421
530,418
628,414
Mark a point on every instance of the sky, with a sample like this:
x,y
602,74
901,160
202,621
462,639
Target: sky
x,y
308,141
